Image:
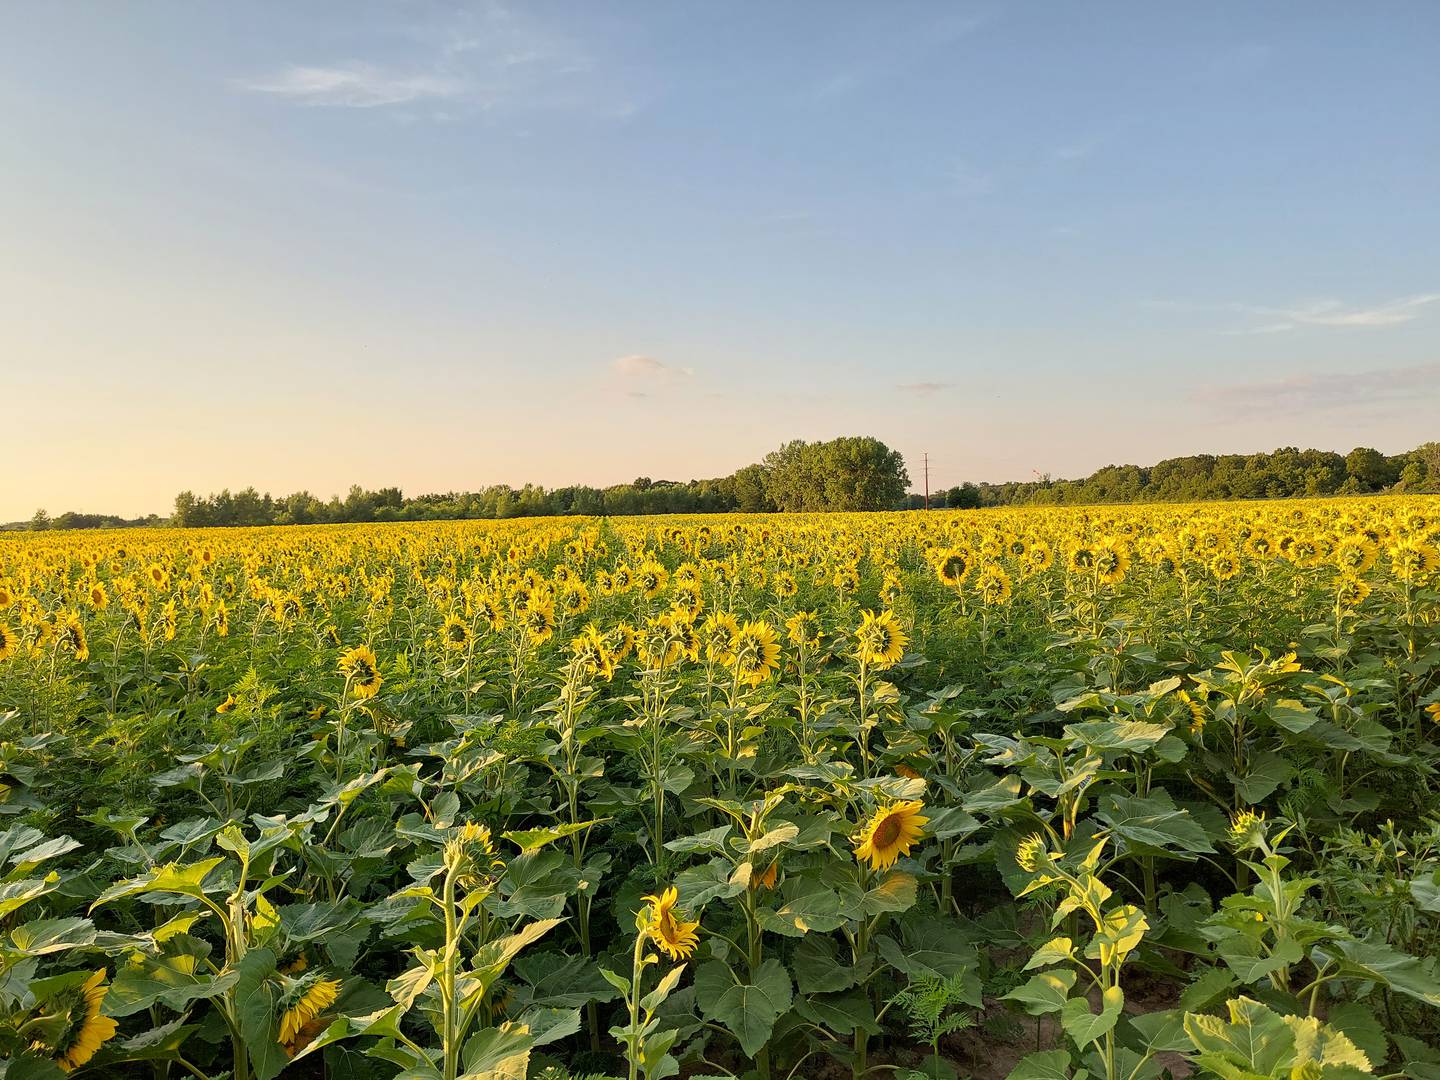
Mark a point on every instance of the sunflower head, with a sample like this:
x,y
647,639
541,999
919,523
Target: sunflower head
x,y
1032,853
1247,830
79,1029
890,833
304,1001
455,633
659,921
755,652
361,671
879,641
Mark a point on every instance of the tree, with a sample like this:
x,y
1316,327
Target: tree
x,y
41,521
1369,468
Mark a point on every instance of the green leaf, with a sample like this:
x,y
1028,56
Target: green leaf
x,y
1046,1065
748,1010
1086,1027
818,967
896,892
1055,951
1154,825
1044,993
45,936
529,840
817,909
258,1016
1126,735
1380,963
1254,1039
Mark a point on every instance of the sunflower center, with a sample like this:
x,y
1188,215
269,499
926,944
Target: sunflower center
x,y
887,832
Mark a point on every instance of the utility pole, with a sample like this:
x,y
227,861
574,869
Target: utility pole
x,y
927,480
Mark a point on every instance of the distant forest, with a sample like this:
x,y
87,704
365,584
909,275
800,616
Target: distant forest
x,y
852,473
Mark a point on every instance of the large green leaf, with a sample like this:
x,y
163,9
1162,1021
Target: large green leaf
x,y
748,1010
1085,1026
1044,993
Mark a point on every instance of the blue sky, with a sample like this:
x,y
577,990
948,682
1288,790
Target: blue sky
x,y
441,246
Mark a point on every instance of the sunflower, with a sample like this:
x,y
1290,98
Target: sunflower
x,y
1350,592
1224,566
953,566
361,671
9,641
1039,557
1111,561
72,636
574,598
651,579
659,922
590,649
97,596
7,595
539,623
1415,561
304,1000
621,640
891,832
455,633
84,1030
157,575
227,705
803,629
718,630
783,584
1433,711
756,651
879,641
1356,554
993,584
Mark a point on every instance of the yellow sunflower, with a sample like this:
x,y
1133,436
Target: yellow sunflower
x,y
362,671
891,832
659,922
455,633
72,636
304,1000
953,566
879,641
9,641
84,1030
755,649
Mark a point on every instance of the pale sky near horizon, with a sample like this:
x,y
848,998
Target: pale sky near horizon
x,y
440,246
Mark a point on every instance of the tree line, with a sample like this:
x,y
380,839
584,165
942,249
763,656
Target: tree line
x,y
849,473
1286,473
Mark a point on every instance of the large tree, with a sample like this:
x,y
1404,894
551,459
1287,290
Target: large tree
x,y
850,473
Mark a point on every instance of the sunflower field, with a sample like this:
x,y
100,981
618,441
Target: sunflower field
x,y
1113,793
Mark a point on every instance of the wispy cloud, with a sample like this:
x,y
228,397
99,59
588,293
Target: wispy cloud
x,y
647,367
1326,392
483,57
1334,313
356,85
923,389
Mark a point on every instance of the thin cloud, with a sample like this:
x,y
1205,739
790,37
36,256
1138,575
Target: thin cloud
x,y
357,86
1326,392
482,58
923,389
647,367
1334,313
